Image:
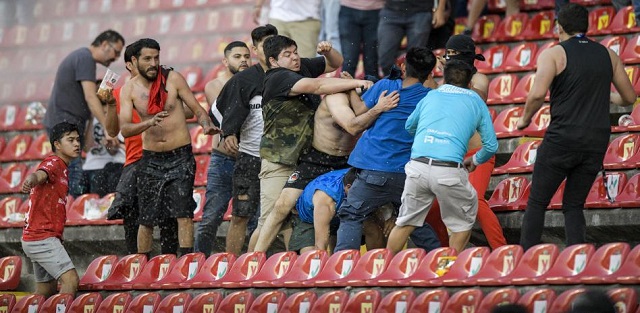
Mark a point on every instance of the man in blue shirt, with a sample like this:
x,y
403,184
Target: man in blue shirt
x,y
383,149
437,169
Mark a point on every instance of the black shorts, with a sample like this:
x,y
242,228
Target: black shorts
x,y
126,200
165,185
246,183
313,164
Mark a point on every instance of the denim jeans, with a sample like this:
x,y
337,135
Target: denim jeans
x,y
371,190
359,33
329,23
218,194
553,164
393,27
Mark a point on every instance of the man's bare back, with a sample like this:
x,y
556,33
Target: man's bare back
x,y
328,136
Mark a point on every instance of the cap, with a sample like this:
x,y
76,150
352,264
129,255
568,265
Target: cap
x,y
463,44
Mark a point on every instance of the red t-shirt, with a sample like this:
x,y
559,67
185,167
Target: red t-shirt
x,y
47,213
132,145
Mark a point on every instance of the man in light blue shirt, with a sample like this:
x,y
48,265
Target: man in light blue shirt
x,y
443,122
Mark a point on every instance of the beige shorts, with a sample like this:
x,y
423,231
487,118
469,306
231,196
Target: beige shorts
x,y
273,177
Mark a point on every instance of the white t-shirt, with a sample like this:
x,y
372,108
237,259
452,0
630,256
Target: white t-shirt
x,y
98,156
294,10
251,132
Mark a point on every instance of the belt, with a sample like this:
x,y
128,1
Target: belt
x,y
433,162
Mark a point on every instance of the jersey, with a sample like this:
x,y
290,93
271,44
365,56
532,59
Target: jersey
x,y
330,183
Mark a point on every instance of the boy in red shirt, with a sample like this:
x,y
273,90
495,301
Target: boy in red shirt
x,y
42,234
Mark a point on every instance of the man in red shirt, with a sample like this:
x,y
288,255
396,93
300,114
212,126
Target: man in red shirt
x,y
42,234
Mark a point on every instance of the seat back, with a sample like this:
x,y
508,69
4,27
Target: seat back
x,y
538,300
127,269
624,21
155,270
332,301
363,301
207,302
629,195
506,121
522,159
16,148
39,149
10,269
536,261
435,264
186,268
539,123
306,267
501,88
14,174
98,270
430,301
495,58
631,53
271,301
239,301
175,302
396,301
540,26
511,27
85,303
193,76
7,302
58,303
521,91
466,300
27,304
9,211
339,265
498,297
615,43
599,20
371,265
625,299
607,259
145,302
276,266
507,193
215,267
468,264
597,196
83,209
485,27
245,267
501,262
563,302
620,150
571,261
404,264
299,302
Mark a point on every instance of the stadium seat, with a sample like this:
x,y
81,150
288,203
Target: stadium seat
x,y
466,300
39,149
214,268
193,76
153,271
396,301
270,301
563,302
88,209
597,197
371,265
615,43
468,264
540,26
521,91
511,194
539,123
625,299
85,303
9,213
332,301
339,265
521,58
124,271
628,273
634,126
239,301
497,298
7,301
16,36
570,263
556,200
538,300
17,219
604,263
199,198
511,27
599,21
430,267
14,174
630,54
242,270
10,269
16,148
534,263
299,302
207,302
276,266
485,27
145,302
5,188
500,263
522,159
29,304
495,60
628,198
620,151
506,121
184,270
403,265
58,303
634,76
200,142
8,116
305,268
624,21
202,167
97,271
501,88
363,301
430,301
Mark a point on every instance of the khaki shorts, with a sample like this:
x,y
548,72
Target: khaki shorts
x,y
273,177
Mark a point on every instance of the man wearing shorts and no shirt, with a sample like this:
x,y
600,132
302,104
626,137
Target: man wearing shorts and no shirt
x,y
167,170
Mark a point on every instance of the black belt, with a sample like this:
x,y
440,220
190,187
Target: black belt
x,y
433,162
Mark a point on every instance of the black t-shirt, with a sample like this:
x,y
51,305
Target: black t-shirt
x,y
409,6
234,99
279,81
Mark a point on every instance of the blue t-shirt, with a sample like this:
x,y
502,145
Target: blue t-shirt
x,y
386,145
330,183
445,120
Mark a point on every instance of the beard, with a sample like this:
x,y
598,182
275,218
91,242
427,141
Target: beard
x,y
148,77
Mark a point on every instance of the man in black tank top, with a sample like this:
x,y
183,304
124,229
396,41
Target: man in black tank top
x,y
578,72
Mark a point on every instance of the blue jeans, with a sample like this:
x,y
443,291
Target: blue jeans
x,y
218,194
371,190
359,33
393,27
329,23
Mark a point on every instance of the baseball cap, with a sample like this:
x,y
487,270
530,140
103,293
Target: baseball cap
x,y
463,44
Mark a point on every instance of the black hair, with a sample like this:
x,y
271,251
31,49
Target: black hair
x,y
509,308
234,44
128,52
573,18
110,35
419,63
349,176
60,130
143,43
458,73
259,33
593,301
274,45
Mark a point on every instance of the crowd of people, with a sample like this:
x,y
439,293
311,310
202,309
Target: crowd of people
x,y
324,162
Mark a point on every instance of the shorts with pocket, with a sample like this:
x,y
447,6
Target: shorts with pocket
x,y
49,258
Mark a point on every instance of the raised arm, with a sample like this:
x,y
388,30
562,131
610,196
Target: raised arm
x,y
34,179
353,123
327,86
544,76
184,92
111,125
332,57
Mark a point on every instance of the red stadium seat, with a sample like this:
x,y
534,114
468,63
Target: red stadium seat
x,y
371,265
144,302
615,43
485,27
8,117
628,198
206,302
539,123
628,273
634,126
402,266
153,271
239,301
511,27
174,302
184,270
460,25
7,301
563,302
271,301
363,301
276,266
501,88
495,60
570,263
521,58
556,200
604,263
511,194
540,26
97,271
620,151
332,301
17,219
305,268
39,149
14,175
202,167
29,304
243,270
538,300
200,142
116,303
125,270
299,302
599,20
430,301
30,116
193,76
10,269
468,264
597,197
339,265
624,21
199,198
625,299
89,209
16,148
429,268
498,297
214,268
56,303
522,159
86,302
500,263
506,121
634,76
534,263
396,301
16,36
9,212
466,300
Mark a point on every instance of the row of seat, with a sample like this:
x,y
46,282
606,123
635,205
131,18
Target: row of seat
x,y
337,301
612,263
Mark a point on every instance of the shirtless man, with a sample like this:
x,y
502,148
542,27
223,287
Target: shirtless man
x,y
167,170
